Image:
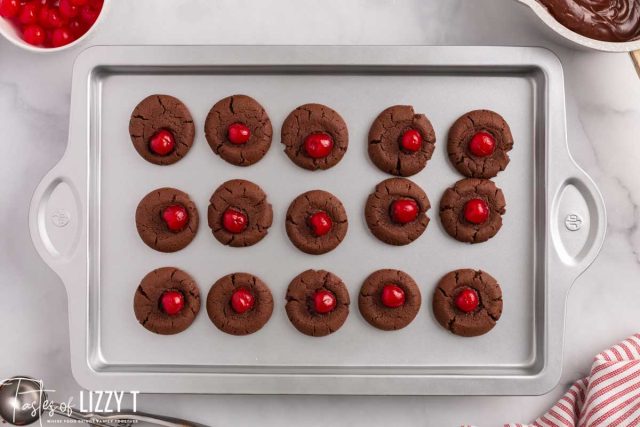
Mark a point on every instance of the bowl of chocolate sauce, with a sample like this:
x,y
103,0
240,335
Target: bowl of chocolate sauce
x,y
607,25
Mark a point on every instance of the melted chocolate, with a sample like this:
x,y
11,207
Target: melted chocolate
x,y
606,20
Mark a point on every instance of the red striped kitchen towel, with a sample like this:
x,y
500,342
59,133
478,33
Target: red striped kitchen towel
x,y
609,397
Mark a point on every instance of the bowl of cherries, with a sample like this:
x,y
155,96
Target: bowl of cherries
x,y
48,25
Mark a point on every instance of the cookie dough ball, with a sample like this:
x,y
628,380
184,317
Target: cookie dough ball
x,y
396,212
239,214
161,129
238,129
166,301
471,211
467,302
479,143
167,219
239,304
401,141
316,222
315,137
317,303
389,299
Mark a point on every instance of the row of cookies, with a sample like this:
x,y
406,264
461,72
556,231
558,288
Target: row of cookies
x,y
315,137
466,302
240,215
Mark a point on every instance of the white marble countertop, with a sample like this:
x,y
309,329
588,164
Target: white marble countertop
x,y
603,113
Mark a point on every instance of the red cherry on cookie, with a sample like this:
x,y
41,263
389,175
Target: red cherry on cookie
x,y
162,142
234,221
79,2
9,8
318,145
242,301
324,302
476,211
392,296
320,223
238,133
33,34
176,217
411,140
404,211
482,144
172,302
467,300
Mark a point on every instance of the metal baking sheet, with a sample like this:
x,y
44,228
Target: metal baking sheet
x,y
82,221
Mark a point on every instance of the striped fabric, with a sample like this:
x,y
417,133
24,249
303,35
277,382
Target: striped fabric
x,y
609,397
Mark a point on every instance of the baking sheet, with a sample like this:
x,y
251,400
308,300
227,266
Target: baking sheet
x,y
522,84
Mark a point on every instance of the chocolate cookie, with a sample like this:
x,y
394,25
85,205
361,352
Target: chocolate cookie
x,y
315,136
479,143
471,211
316,222
396,212
389,299
238,129
467,302
166,301
161,129
317,302
239,304
167,219
401,141
239,214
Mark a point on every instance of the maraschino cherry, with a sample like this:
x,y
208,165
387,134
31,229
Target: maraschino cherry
x,y
242,301
162,142
482,144
175,217
411,140
392,296
51,23
318,145
467,300
172,302
324,302
234,221
476,211
238,133
320,223
404,211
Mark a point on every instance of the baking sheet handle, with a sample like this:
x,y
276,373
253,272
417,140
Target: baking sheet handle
x,y
55,218
578,222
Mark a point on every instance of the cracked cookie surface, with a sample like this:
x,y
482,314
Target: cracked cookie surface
x,y
479,321
154,231
157,112
452,207
247,111
297,223
460,135
385,149
222,313
314,118
378,211
248,198
300,307
379,315
146,302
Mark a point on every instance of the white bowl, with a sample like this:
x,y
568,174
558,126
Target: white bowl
x,y
9,32
575,38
